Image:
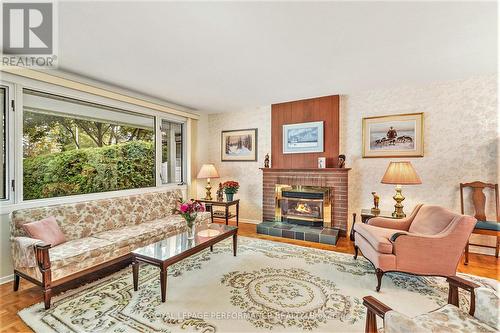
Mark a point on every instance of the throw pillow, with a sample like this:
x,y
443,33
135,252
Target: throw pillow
x,y
46,230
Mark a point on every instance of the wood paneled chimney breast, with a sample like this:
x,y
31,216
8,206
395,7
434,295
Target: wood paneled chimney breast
x,y
301,169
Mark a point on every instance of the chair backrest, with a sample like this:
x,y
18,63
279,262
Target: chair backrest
x,y
479,199
431,220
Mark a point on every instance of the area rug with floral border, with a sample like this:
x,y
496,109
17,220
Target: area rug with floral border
x,y
268,286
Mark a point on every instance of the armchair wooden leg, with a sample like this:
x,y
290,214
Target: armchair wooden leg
x,y
356,249
351,235
466,258
47,295
380,274
16,282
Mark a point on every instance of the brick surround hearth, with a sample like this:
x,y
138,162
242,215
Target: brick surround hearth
x,y
333,178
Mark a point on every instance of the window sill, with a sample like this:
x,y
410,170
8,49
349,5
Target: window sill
x,y
7,208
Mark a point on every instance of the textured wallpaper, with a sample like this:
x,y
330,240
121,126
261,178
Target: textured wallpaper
x,y
247,174
460,141
460,144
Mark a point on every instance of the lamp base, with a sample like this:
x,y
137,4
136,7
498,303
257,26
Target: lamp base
x,y
208,194
398,207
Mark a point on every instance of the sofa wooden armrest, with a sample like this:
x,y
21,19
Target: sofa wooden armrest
x,y
43,261
374,308
456,282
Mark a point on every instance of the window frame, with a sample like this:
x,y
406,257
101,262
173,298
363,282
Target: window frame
x,y
16,86
183,151
9,144
121,112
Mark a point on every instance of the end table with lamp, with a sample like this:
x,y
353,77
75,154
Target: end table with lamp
x,y
397,173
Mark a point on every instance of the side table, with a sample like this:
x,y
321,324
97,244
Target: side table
x,y
367,214
209,204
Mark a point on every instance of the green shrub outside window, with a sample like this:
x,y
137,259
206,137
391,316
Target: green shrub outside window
x,y
72,147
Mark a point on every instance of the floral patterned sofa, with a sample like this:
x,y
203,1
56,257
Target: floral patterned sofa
x,y
98,233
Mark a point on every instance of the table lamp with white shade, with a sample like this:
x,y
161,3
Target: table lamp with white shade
x,y
400,173
208,171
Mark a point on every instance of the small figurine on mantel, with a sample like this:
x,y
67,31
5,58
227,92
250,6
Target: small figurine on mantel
x,y
376,200
341,163
266,161
220,193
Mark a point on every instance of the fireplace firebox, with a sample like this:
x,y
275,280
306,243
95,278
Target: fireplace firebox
x,y
303,205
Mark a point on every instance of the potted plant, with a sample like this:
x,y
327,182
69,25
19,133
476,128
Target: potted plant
x,y
230,188
189,210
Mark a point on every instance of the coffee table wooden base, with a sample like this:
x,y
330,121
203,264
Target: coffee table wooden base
x,y
164,264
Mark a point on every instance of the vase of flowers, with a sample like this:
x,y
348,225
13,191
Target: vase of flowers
x,y
230,188
189,210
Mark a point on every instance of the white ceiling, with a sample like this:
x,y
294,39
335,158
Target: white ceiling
x,y
217,57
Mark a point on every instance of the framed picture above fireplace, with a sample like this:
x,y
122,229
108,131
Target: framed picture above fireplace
x,y
303,138
239,145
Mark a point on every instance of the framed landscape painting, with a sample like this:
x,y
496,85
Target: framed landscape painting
x,y
239,145
394,136
303,138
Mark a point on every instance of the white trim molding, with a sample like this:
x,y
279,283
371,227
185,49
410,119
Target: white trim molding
x,y
6,279
87,88
9,208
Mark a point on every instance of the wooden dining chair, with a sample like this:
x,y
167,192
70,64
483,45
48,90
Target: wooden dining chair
x,y
483,226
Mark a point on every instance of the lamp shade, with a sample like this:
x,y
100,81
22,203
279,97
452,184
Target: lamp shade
x,y
208,171
401,173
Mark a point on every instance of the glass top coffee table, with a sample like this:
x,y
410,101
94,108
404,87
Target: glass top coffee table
x,y
175,248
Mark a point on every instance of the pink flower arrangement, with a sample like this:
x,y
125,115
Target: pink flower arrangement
x,y
189,210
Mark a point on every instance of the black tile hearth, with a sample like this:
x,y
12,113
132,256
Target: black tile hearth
x,y
311,237
299,232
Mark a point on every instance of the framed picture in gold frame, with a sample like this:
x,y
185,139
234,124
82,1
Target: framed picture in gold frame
x,y
400,135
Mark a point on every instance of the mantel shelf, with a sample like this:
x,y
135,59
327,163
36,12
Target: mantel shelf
x,y
305,169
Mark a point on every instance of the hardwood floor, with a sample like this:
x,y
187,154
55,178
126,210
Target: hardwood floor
x,y
11,302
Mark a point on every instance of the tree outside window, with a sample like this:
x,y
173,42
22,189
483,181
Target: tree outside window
x,y
73,147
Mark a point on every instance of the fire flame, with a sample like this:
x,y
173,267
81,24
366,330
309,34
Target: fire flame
x,y
303,208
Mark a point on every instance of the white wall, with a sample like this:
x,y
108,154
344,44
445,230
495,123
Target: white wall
x,y
6,265
460,133
200,148
247,174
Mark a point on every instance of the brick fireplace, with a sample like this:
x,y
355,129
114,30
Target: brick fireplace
x,y
332,182
301,201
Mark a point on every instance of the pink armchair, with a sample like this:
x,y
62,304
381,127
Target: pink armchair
x,y
428,242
